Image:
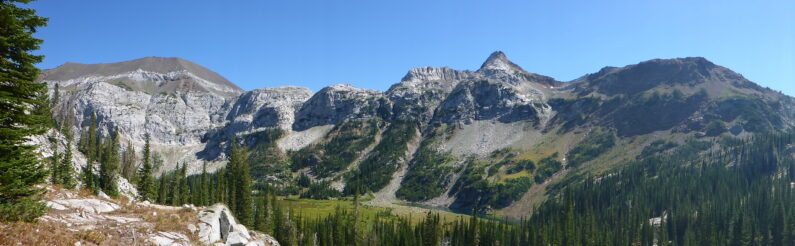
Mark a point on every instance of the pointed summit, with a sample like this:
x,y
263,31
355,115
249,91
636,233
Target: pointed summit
x,y
497,61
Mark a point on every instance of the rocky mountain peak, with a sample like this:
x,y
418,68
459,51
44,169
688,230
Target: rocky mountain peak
x,y
498,61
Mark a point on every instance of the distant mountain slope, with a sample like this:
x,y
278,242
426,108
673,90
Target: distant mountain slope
x,y
493,138
172,74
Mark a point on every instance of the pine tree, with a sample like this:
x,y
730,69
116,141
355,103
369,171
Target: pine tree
x,y
356,216
259,215
242,188
474,228
146,186
56,97
222,188
278,222
184,191
88,175
129,168
109,168
231,186
779,225
173,194
65,167
55,160
162,190
21,101
92,142
431,230
204,198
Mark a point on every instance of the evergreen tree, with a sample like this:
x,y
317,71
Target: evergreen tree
x,y
357,235
231,188
110,165
65,167
431,230
55,161
242,188
184,191
146,186
162,190
474,231
129,167
262,218
222,188
56,97
175,198
21,104
779,225
92,142
278,221
204,198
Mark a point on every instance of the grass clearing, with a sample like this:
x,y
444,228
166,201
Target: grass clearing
x,y
321,208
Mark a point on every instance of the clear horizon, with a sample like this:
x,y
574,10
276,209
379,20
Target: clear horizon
x,y
369,45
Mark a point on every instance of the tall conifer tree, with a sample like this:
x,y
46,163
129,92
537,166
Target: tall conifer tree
x,y
110,165
65,167
204,197
184,190
146,186
21,112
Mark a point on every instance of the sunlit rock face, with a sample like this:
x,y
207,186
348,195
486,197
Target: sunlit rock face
x,y
190,112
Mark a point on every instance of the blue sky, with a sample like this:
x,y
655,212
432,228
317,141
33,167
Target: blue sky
x,y
372,44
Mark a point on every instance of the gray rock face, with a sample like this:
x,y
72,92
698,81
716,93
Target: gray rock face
x,y
490,100
336,103
418,76
269,107
421,91
175,121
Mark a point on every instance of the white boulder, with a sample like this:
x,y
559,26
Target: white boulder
x,y
217,225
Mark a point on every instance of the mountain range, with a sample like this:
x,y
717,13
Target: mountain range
x,y
496,137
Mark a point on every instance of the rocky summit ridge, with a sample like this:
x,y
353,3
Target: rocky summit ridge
x,y
191,113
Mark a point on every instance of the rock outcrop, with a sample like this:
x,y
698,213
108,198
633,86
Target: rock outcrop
x,y
218,226
172,100
333,104
139,223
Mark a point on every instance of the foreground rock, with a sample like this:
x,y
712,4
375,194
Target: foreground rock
x,y
82,219
218,226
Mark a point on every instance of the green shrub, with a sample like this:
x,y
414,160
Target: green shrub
x,y
591,147
715,128
547,167
657,147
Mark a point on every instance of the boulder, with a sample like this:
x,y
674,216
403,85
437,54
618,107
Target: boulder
x,y
218,225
